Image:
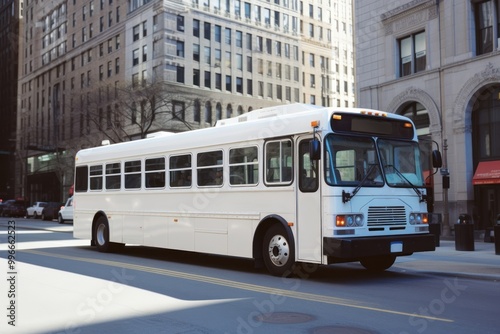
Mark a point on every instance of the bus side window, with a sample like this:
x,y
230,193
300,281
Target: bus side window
x,y
279,162
180,171
96,177
155,173
210,168
82,179
133,174
308,176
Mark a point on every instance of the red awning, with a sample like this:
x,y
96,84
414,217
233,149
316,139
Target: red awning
x,y
487,172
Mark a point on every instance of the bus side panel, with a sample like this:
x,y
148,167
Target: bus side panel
x,y
240,237
132,228
156,231
82,225
210,235
181,232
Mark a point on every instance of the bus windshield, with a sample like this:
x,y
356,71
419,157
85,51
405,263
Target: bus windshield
x,y
351,160
401,163
354,161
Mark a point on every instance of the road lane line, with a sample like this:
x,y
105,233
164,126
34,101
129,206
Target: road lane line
x,y
239,285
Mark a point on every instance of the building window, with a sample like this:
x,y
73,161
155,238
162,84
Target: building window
x,y
180,74
196,77
196,111
239,39
180,49
207,79
228,36
218,81
486,124
412,51
178,110
135,33
228,83
420,117
239,85
206,30
207,55
218,33
180,23
196,52
208,112
485,25
196,28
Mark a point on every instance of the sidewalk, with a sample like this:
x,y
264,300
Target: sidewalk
x,y
481,263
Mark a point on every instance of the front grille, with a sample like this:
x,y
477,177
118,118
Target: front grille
x,y
386,215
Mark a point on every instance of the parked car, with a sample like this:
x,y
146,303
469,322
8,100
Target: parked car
x,y
66,212
2,205
35,210
51,211
14,208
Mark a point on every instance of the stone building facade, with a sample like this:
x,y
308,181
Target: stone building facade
x,y
438,62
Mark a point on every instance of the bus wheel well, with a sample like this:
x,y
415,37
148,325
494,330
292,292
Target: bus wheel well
x,y
258,237
94,222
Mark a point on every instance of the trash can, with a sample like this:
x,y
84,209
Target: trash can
x,y
464,233
435,228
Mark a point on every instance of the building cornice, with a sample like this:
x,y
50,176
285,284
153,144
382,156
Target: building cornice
x,y
406,9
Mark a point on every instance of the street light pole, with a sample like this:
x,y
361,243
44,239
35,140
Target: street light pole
x,y
445,173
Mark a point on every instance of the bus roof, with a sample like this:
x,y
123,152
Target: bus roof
x,y
245,129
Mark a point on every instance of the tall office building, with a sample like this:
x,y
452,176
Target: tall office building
x,y
438,63
10,21
201,60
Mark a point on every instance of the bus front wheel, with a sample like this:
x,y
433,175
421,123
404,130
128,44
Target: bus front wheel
x,y
279,255
378,263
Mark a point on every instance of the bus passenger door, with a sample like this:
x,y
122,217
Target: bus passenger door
x,y
309,243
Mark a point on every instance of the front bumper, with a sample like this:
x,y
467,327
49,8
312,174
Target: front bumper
x,y
352,249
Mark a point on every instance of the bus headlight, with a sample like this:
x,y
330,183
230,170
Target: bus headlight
x,y
350,220
416,218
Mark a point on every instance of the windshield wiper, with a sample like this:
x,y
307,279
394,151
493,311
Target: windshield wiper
x,y
422,197
346,197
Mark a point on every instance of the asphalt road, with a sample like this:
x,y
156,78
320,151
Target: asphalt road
x,y
62,285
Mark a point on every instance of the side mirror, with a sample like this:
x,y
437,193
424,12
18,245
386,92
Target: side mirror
x,y
315,149
437,161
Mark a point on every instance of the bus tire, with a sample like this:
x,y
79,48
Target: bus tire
x,y
378,263
101,237
278,252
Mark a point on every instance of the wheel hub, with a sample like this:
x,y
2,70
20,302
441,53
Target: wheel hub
x,y
279,250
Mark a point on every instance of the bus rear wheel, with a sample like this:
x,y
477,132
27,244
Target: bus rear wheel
x,y
378,263
101,237
279,255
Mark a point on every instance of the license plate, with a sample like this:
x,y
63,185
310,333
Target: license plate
x,y
396,247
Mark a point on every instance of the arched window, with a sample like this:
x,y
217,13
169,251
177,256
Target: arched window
x,y
208,112
218,111
240,110
419,115
486,124
196,113
229,111
250,109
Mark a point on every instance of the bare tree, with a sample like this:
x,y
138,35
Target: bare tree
x,y
133,110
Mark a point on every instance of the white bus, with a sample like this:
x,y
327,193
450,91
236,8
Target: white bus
x,y
281,185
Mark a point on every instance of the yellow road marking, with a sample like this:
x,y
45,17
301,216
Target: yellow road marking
x,y
238,285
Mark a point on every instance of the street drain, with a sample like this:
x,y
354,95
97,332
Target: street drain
x,y
340,330
284,317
